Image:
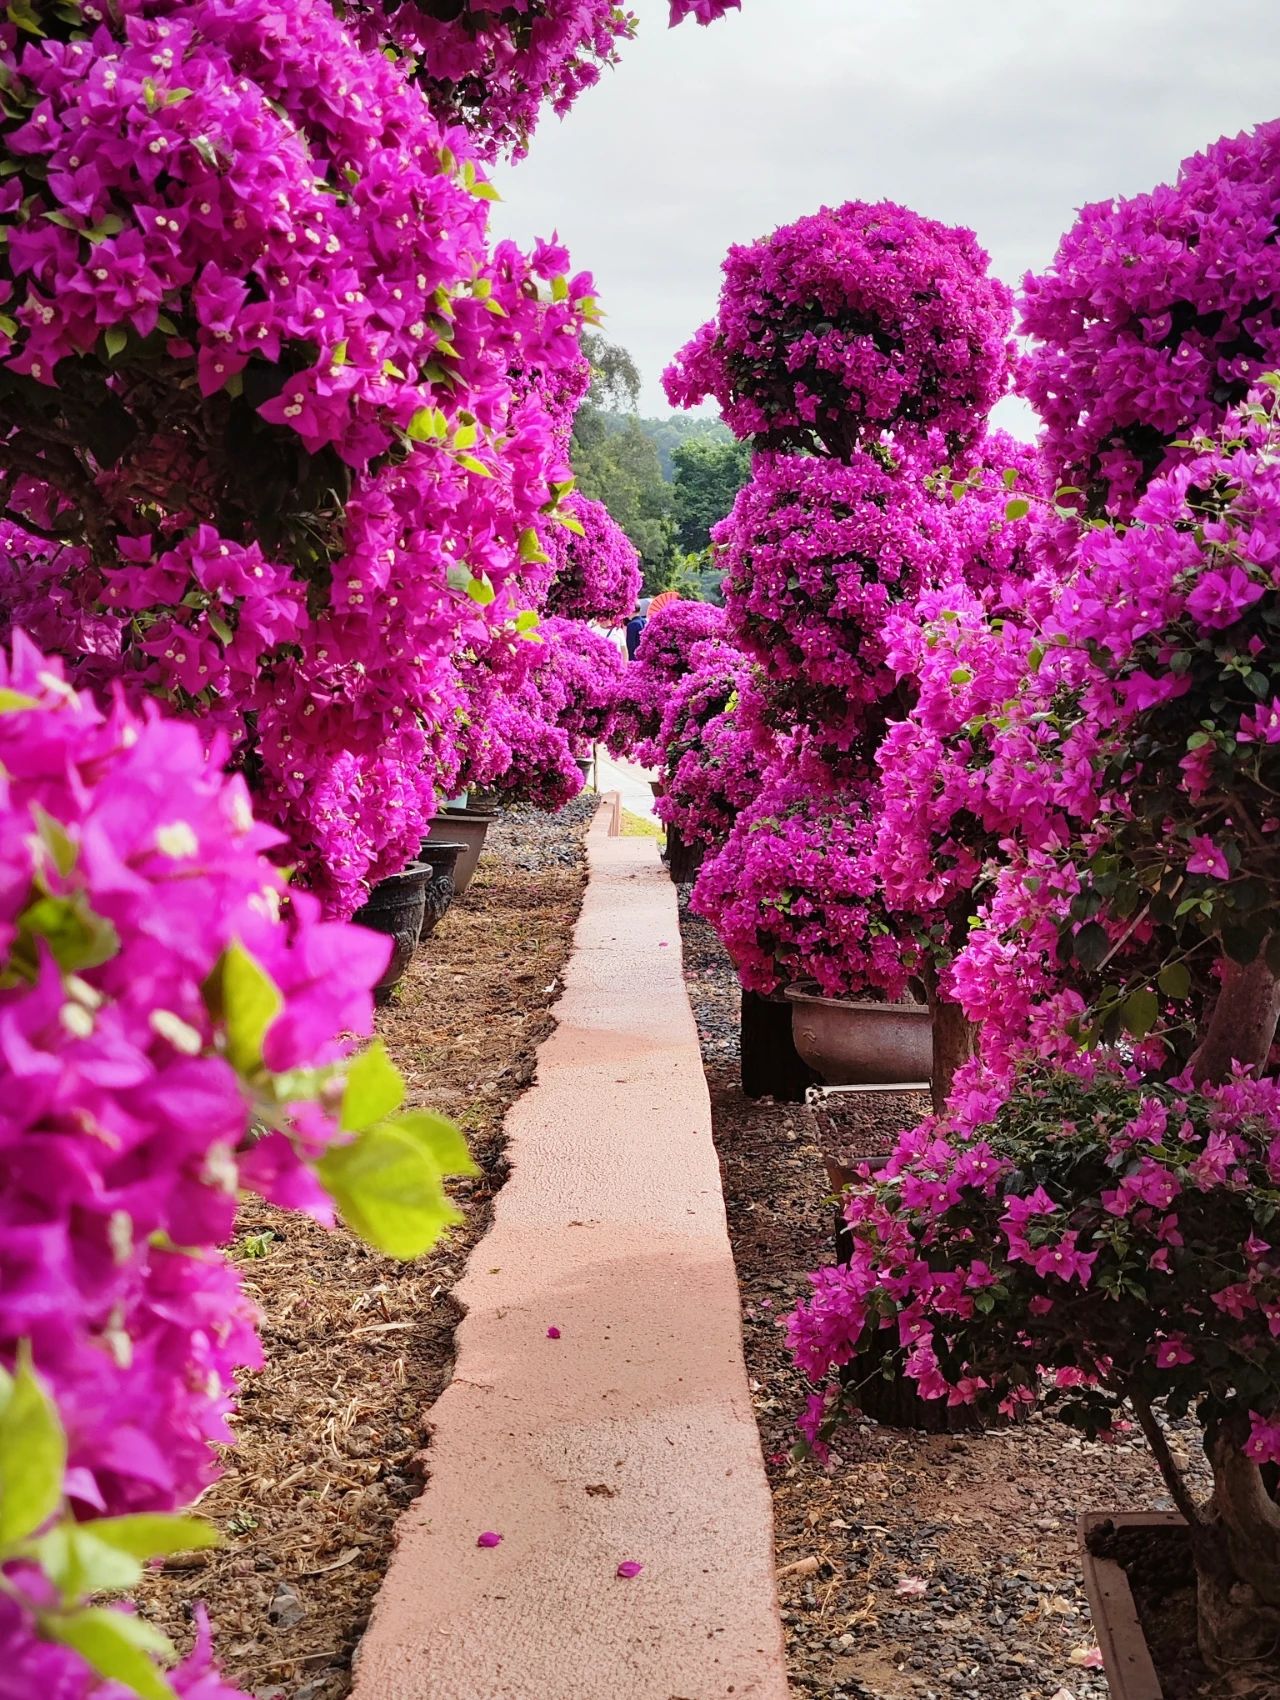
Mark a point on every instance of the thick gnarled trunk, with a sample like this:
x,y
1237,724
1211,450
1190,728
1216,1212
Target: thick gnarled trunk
x,y
1237,1554
1242,1025
954,1042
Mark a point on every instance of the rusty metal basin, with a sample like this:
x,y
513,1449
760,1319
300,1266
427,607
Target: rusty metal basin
x,y
854,1043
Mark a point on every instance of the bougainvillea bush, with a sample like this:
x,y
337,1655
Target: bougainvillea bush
x,y
858,320
713,766
174,1026
793,894
1157,315
579,674
278,460
817,555
1099,1242
1135,775
597,571
661,661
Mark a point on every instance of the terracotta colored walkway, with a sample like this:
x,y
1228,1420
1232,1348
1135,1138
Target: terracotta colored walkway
x,y
629,1438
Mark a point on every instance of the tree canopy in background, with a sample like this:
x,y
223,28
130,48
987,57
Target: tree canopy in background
x,y
633,465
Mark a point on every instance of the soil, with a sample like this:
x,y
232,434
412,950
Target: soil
x,y
914,1567
358,1347
1162,1577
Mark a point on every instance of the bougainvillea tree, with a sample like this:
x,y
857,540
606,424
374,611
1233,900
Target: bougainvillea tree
x,y
713,766
597,570
817,554
1157,315
1104,1243
662,659
859,320
174,1026
291,456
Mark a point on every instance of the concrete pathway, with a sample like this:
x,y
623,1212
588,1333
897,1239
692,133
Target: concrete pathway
x,y
631,782
630,1438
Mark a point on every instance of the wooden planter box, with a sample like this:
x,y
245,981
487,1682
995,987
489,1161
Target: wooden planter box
x,y
1126,1658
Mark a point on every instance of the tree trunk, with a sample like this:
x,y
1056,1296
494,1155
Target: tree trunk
x,y
954,1042
1237,1554
1242,1025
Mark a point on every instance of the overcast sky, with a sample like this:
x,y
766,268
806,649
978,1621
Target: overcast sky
x,y
999,115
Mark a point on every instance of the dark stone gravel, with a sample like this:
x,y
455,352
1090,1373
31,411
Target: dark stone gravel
x,y
531,839
926,1567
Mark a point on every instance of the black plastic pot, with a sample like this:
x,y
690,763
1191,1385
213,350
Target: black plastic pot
x,y
683,860
396,907
442,858
771,1065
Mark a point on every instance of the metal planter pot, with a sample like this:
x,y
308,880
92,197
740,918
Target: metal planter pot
x,y
465,827
854,1043
396,907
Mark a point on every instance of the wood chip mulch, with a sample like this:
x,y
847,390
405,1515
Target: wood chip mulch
x,y
358,1347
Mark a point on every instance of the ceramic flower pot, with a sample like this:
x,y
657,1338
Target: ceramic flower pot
x,y
441,856
396,907
585,765
855,1043
470,830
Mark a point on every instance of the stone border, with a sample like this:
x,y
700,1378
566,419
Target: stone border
x,y
630,1437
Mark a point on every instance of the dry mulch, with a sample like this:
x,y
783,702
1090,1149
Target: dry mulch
x,y
358,1347
980,1528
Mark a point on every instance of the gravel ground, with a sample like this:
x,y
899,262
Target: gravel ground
x,y
917,1567
332,1431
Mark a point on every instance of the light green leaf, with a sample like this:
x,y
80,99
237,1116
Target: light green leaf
x,y
76,936
120,1648
527,620
1018,508
374,1091
465,437
485,192
62,848
115,339
33,1452
559,289
474,465
247,999
219,627
387,1182
14,702
531,546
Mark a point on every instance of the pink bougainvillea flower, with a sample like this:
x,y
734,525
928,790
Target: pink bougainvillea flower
x,y
629,1569
1207,858
553,1333
489,1539
911,1587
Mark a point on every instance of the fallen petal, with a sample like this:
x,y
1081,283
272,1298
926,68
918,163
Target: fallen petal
x,y
489,1539
629,1569
912,1587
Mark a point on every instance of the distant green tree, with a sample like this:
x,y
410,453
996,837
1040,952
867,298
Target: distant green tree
x,y
709,472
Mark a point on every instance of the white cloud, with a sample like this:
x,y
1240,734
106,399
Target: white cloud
x,y
1003,116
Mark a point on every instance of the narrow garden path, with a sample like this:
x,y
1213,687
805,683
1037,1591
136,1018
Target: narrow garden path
x,y
599,1415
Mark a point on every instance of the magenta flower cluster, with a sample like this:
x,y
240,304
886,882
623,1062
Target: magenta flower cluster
x,y
1158,312
597,572
318,443
135,904
713,766
1119,1229
858,320
794,894
663,658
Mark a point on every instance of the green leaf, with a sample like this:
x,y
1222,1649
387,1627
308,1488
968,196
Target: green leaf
x,y
23,14
247,1000
474,465
374,1091
527,621
531,546
559,289
219,627
387,1184
481,591
1018,508
465,437
115,340
485,192
120,1648
76,936
571,524
428,424
33,1452
1010,477
63,849
1175,980
1091,945
1141,1009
